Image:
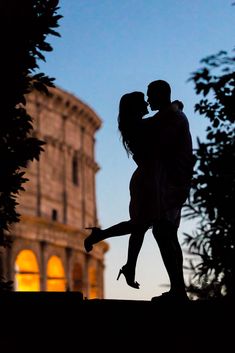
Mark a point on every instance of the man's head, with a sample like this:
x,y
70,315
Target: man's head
x,y
159,94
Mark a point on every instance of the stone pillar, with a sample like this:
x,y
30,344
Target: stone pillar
x,y
64,152
100,275
85,279
83,190
68,270
43,270
94,171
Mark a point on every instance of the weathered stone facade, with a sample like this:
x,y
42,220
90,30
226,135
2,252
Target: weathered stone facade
x,y
59,201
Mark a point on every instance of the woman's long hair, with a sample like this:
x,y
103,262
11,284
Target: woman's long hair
x,y
128,117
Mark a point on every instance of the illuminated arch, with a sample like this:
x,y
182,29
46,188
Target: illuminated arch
x,y
27,276
56,281
92,278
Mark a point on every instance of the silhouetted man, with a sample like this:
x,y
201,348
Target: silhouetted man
x,y
172,140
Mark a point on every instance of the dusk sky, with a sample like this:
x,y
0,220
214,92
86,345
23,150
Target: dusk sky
x,y
108,48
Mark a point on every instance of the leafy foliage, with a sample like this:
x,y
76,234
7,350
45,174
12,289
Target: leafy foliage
x,y
24,28
212,200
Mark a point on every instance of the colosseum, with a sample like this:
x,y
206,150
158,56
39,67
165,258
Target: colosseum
x,y
58,203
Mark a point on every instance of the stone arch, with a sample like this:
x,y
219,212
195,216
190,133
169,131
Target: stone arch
x,y
56,280
27,275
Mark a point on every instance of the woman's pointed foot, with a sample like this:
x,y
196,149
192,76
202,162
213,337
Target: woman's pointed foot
x,y
93,238
129,276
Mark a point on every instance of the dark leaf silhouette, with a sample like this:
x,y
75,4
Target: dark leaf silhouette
x,y
25,25
212,200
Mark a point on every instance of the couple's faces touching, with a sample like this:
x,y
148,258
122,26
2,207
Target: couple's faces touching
x,y
152,101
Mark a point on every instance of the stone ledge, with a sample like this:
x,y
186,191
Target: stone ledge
x,y
59,320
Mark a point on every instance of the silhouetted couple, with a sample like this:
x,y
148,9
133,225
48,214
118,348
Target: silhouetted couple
x,y
161,146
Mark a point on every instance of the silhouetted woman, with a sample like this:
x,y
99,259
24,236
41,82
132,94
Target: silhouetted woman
x,y
132,108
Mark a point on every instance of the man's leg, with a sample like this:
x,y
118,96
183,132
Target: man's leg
x,y
166,236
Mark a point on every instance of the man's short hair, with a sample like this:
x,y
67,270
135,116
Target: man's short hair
x,y
162,86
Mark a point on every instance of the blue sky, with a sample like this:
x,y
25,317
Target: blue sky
x,y
108,48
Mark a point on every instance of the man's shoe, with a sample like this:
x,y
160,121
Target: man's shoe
x,y
171,297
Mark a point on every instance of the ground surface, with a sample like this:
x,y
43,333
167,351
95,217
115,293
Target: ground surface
x,y
65,322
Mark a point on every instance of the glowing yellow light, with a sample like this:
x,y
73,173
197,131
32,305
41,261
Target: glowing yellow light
x,y
55,275
27,277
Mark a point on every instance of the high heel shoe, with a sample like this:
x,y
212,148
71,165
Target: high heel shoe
x,y
127,275
93,238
